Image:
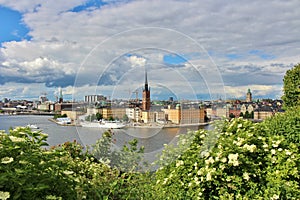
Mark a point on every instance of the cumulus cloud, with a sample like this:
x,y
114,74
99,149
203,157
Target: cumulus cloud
x,y
249,44
137,61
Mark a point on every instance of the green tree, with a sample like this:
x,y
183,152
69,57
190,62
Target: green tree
x,y
231,115
291,87
99,116
125,118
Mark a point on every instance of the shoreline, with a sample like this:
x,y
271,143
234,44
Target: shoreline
x,y
169,125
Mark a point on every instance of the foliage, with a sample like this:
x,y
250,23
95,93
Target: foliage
x,y
247,161
99,116
27,171
125,118
231,115
59,116
91,118
129,158
285,124
248,115
291,87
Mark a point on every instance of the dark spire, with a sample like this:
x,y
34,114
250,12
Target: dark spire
x,y
146,81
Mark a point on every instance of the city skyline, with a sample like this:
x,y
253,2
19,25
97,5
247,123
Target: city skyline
x,y
45,46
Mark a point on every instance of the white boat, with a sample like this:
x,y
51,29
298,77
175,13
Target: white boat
x,y
90,124
112,124
32,126
63,120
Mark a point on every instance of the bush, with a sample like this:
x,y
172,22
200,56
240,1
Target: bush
x,y
247,161
29,171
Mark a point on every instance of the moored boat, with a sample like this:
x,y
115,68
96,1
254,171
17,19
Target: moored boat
x,y
112,124
32,126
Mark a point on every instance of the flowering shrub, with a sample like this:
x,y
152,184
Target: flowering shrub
x,y
247,161
28,171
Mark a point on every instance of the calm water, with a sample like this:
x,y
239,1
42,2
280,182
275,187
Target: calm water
x,y
153,139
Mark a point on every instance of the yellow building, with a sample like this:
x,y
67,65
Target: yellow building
x,y
152,116
185,116
263,113
116,113
72,114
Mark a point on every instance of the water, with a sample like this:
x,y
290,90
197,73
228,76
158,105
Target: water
x,y
153,139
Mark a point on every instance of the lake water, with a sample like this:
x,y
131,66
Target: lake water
x,y
153,139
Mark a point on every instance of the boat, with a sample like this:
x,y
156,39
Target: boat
x,y
111,124
103,124
32,126
90,124
63,120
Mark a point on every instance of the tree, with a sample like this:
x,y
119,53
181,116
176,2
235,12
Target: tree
x,y
291,87
231,115
99,116
125,118
241,114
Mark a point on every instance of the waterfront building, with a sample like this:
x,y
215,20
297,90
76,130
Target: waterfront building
x,y
134,114
60,106
173,114
44,107
186,114
73,114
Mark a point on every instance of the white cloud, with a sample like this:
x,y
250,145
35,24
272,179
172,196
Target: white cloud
x,y
137,61
62,40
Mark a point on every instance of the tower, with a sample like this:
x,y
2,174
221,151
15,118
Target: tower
x,y
249,96
146,95
60,95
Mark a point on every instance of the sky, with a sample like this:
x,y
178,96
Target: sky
x,y
190,49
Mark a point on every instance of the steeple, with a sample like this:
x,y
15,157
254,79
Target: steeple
x,y
146,81
146,95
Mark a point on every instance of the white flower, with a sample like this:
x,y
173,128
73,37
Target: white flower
x,y
199,172
165,181
208,176
7,160
250,148
275,196
4,195
246,176
209,161
240,126
265,146
179,163
273,151
287,152
67,172
224,160
233,159
16,139
276,144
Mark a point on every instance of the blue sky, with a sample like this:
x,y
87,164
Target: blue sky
x,y
44,46
12,27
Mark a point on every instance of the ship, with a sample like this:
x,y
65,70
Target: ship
x,y
104,124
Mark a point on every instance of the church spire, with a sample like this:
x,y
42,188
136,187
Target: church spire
x,y
146,80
